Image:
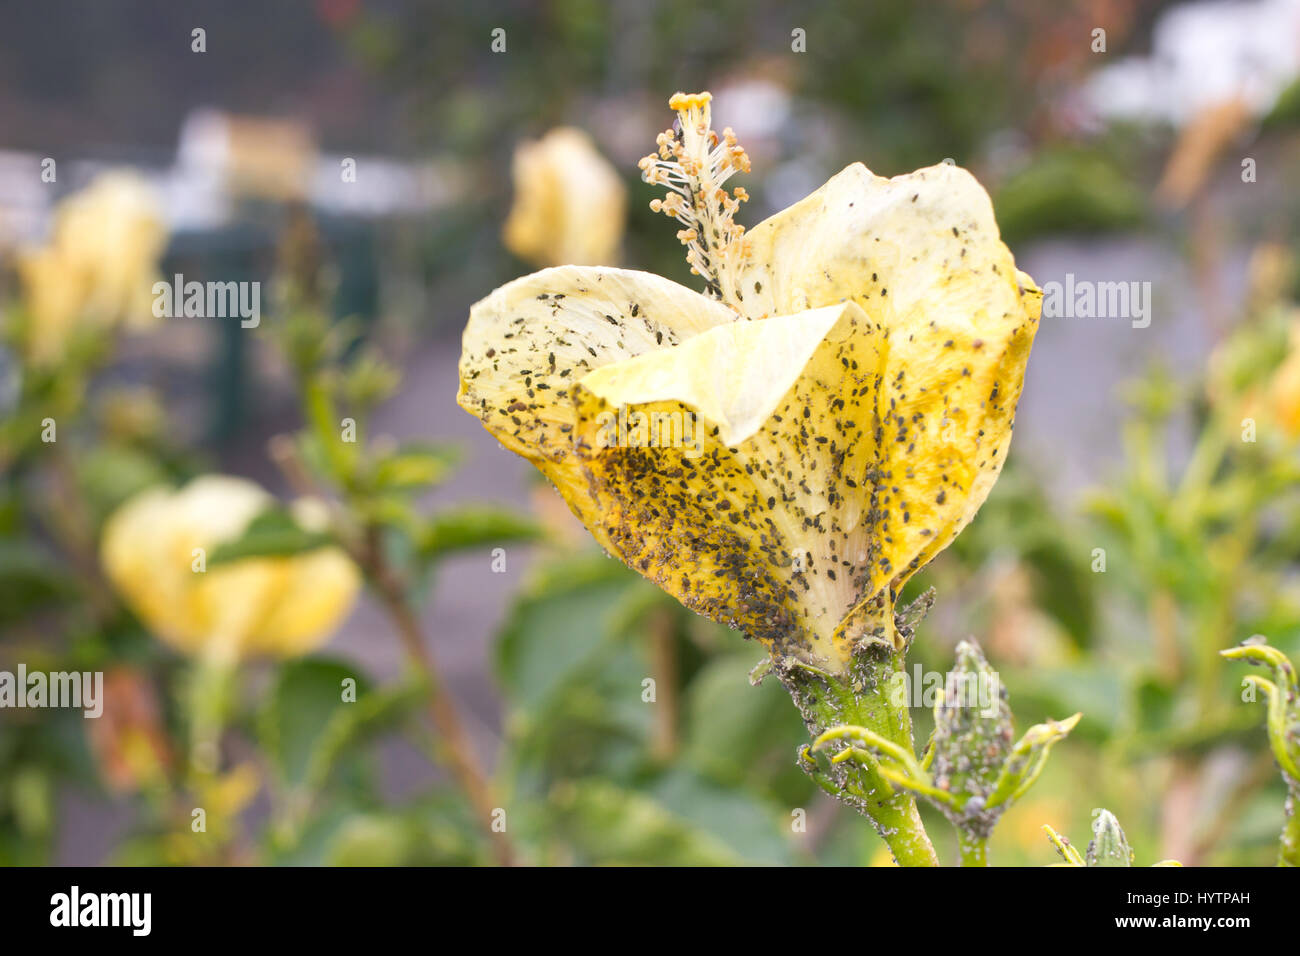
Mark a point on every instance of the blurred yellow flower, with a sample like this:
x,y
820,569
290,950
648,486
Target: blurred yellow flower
x,y
1270,275
155,550
784,476
569,204
1284,389
99,265
1253,374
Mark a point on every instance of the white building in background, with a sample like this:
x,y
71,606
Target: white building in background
x,y
25,200
1203,54
221,160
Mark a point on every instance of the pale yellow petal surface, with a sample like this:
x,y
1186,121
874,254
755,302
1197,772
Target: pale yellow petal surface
x,y
767,523
530,341
113,234
569,203
275,605
98,267
53,295
843,440
922,255
317,591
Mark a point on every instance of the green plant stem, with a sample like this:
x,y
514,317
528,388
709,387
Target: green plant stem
x,y
1289,844
896,817
663,651
454,742
973,848
211,686
899,823
863,697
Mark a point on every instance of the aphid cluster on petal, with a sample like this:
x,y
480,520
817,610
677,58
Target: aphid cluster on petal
x,y
842,437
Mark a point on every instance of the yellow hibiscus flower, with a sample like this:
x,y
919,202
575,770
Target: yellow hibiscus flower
x,y
782,453
569,203
155,550
1284,388
99,265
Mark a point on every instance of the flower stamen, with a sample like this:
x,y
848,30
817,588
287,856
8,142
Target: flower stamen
x,y
694,163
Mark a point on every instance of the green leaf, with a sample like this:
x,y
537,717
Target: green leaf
x,y
558,626
108,476
369,381
571,666
395,510
1068,190
434,830
372,840
29,579
307,724
472,527
273,533
737,732
596,726
609,824
751,828
415,466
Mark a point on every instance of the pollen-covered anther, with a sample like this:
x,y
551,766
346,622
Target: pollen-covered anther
x,y
684,102
694,162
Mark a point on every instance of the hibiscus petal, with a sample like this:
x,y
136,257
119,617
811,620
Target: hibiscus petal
x,y
570,203
813,460
314,592
529,342
922,256
268,605
147,551
756,509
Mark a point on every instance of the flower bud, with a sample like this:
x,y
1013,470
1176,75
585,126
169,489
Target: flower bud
x,y
973,729
1109,846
